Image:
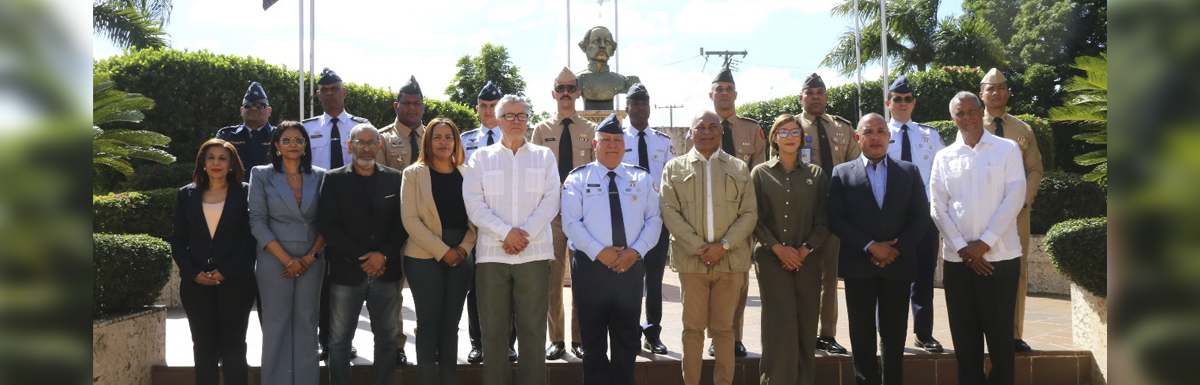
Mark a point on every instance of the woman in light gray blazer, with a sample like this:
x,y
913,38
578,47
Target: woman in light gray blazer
x,y
283,215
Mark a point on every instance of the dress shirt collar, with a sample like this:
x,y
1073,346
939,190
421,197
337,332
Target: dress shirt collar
x,y
700,157
633,131
812,119
574,118
988,118
342,119
404,130
986,138
896,123
867,162
243,127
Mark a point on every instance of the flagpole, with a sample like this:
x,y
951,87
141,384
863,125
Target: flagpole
x,y
568,33
883,40
858,55
312,53
300,68
616,53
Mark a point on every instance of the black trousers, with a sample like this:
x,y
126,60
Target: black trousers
x,y
473,330
609,306
887,299
922,288
981,308
323,313
656,262
218,317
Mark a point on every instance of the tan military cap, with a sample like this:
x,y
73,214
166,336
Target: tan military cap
x,y
993,77
565,76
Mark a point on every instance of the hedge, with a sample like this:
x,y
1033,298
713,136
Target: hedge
x,y
1079,250
197,93
1063,196
130,272
1042,130
146,212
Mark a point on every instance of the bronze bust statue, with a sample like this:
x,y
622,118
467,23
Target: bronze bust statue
x,y
600,85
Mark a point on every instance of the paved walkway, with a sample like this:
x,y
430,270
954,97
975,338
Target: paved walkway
x,y
1047,327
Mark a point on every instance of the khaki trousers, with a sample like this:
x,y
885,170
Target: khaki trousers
x,y
789,320
560,268
828,254
1023,232
709,300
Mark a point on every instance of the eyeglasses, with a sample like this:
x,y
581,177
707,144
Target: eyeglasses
x,y
515,117
259,105
360,143
565,88
906,99
795,132
299,141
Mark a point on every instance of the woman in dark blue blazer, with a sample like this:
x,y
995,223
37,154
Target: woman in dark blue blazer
x,y
214,249
283,218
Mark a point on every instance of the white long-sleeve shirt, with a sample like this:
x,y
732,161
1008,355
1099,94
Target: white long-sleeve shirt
x,y
502,190
976,194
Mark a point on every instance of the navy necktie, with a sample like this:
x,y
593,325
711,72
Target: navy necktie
x,y
905,147
335,147
999,127
412,140
643,152
491,140
823,143
614,211
564,151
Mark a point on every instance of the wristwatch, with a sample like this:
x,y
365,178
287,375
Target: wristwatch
x,y
810,247
725,245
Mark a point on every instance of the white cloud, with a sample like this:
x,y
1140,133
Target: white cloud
x,y
739,17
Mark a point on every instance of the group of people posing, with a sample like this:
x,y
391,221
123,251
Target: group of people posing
x,y
314,219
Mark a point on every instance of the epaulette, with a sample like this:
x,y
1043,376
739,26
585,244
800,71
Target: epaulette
x,y
464,133
227,128
835,117
638,166
660,133
310,119
359,119
926,126
578,168
745,118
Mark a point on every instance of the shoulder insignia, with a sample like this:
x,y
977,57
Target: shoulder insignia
x,y
843,120
660,133
745,118
578,168
310,119
471,131
359,119
227,130
639,167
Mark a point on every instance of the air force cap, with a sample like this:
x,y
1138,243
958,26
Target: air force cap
x,y
610,125
637,92
254,93
328,77
901,86
490,92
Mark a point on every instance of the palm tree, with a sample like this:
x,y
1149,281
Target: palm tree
x,y
114,148
1087,105
911,35
969,40
132,23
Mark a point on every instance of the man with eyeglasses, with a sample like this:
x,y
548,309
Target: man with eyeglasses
x,y
358,210
252,138
829,140
916,143
993,89
326,132
511,192
569,138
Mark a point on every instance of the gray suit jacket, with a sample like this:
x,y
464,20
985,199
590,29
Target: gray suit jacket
x,y
274,215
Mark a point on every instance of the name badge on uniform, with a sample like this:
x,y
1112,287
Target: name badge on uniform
x,y
593,185
471,148
551,139
317,136
628,150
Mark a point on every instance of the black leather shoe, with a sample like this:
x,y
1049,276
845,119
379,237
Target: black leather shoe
x,y
475,356
655,345
512,354
556,350
712,352
739,350
1021,347
401,359
577,349
930,345
353,353
322,354
830,345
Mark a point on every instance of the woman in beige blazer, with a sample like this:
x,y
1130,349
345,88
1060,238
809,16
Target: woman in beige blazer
x,y
436,260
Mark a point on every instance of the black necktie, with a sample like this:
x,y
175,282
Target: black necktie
x,y
999,127
643,153
564,151
726,138
823,143
614,211
416,147
905,147
491,140
335,147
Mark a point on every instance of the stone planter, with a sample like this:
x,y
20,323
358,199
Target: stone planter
x,y
124,347
1089,329
170,292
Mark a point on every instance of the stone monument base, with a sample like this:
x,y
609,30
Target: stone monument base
x,y
597,116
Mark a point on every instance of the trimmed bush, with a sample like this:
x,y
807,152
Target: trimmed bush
x,y
130,271
1063,196
1041,129
1079,250
158,176
145,212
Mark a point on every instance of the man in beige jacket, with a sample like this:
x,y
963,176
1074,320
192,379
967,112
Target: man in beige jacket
x,y
708,205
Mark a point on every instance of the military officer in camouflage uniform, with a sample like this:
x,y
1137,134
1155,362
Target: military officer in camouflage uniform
x,y
569,137
993,89
252,138
828,141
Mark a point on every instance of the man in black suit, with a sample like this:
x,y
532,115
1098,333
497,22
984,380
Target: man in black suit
x,y
359,217
877,206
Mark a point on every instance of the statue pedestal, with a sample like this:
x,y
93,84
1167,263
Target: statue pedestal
x,y
597,116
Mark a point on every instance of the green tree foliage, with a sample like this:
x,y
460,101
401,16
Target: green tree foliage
x,y
999,13
1087,106
474,72
114,148
969,40
132,23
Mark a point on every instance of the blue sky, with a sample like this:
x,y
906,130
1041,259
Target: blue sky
x,y
381,43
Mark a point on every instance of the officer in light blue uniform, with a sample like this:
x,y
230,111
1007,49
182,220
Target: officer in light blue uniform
x,y
488,132
252,138
611,216
650,149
